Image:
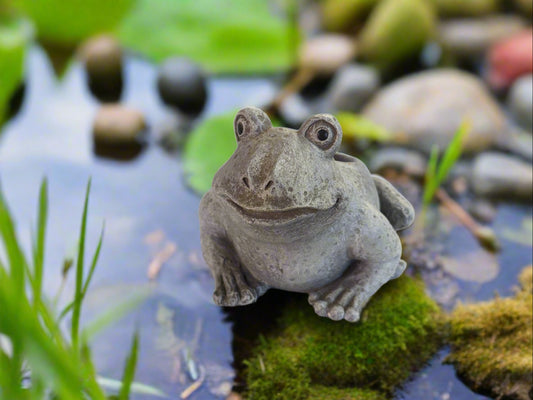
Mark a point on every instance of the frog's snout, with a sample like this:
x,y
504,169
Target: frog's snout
x,y
257,185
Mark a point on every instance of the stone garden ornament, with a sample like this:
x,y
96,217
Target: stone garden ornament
x,y
287,211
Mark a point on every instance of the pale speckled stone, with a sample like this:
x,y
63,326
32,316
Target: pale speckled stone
x,y
287,211
115,124
497,175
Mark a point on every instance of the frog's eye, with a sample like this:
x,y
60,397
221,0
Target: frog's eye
x,y
250,121
323,131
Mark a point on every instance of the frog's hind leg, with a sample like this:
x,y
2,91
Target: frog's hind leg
x,y
402,265
346,297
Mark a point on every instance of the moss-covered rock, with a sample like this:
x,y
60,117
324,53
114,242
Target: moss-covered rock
x,y
396,30
492,343
315,358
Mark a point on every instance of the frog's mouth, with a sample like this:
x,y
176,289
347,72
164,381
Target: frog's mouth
x,y
279,215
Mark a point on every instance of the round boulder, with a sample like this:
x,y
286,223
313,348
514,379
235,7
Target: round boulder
x,y
182,84
117,125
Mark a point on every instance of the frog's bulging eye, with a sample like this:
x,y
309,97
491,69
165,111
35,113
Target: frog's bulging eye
x,y
250,121
321,134
240,128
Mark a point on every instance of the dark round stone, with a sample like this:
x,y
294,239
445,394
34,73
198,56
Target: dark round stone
x,y
182,84
102,57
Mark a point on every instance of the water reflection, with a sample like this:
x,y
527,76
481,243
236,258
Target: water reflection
x,y
51,136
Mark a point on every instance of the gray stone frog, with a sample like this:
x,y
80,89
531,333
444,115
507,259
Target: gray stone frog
x,y
287,211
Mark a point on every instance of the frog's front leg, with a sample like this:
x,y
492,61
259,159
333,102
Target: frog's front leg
x,y
233,286
376,260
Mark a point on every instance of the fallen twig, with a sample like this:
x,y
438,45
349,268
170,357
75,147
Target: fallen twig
x,y
483,234
160,258
195,385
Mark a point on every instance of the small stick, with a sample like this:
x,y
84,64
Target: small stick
x,y
159,259
195,385
301,78
483,234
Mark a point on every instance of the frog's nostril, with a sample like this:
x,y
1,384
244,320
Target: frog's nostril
x,y
269,185
245,181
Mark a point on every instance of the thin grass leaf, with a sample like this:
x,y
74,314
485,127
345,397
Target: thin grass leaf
x,y
38,255
453,151
129,369
16,259
136,387
78,296
93,262
430,178
114,313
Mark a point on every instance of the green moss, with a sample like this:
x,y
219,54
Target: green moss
x,y
314,358
492,343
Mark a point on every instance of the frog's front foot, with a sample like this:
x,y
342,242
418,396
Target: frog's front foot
x,y
233,288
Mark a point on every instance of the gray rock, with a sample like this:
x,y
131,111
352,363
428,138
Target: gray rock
x,y
182,84
326,53
115,124
287,211
294,110
408,161
102,57
472,37
171,130
351,87
497,175
483,210
520,101
427,108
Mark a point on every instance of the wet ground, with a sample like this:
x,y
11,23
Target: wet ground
x,y
147,208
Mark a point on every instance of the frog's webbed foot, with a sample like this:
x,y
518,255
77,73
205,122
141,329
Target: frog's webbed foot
x,y
233,288
346,297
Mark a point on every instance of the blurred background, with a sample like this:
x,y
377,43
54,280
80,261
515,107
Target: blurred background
x,y
435,95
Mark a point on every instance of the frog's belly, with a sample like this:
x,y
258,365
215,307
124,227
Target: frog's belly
x,y
297,267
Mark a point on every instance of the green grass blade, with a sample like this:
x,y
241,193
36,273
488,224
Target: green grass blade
x,y
129,369
114,313
16,259
430,185
453,151
38,255
136,387
78,295
94,261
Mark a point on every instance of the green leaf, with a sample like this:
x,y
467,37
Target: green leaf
x,y
437,171
209,146
430,179
38,255
129,369
78,294
115,312
355,126
69,22
453,151
235,36
136,387
13,38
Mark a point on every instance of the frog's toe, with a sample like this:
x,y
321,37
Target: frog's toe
x,y
246,297
352,314
321,308
336,312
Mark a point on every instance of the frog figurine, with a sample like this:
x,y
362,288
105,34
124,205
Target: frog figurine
x,y
287,211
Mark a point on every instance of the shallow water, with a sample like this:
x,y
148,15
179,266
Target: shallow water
x,y
146,206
